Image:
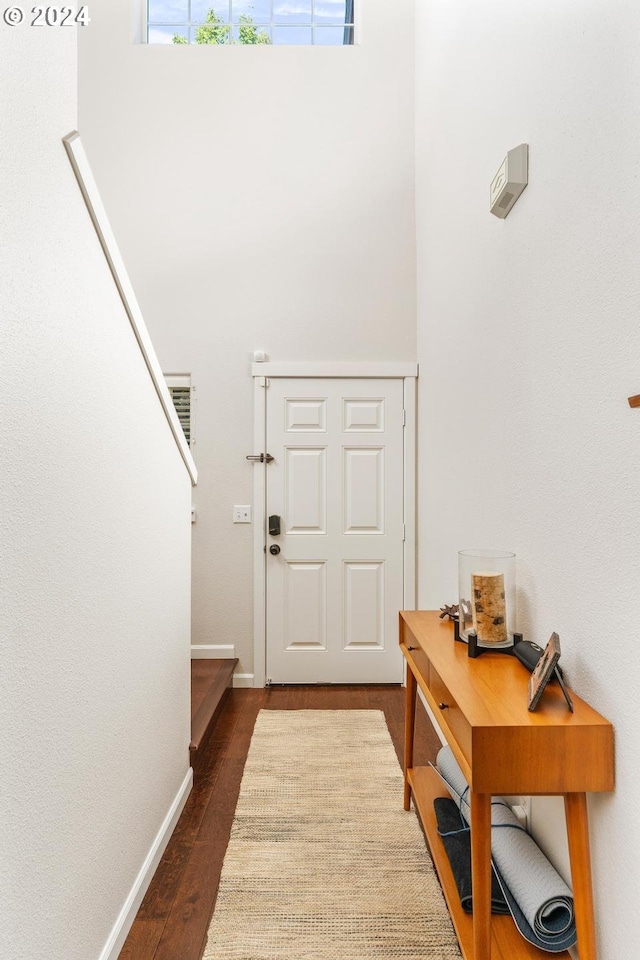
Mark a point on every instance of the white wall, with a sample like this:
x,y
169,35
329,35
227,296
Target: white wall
x,y
95,535
528,347
263,199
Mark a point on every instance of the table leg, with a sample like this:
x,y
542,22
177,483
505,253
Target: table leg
x,y
575,805
409,729
481,874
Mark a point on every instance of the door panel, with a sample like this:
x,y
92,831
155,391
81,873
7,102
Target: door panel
x,y
306,416
364,605
305,623
305,483
363,490
335,588
364,416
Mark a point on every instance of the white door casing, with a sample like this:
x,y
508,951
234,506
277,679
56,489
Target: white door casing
x,y
340,480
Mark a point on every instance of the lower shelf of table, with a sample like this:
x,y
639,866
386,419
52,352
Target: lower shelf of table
x,y
506,941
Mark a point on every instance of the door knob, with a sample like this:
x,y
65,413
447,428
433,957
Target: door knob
x,y
274,549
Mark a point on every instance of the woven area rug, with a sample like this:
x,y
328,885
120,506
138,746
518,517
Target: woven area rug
x,y
323,863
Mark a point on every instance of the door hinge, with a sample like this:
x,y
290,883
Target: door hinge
x,y
264,382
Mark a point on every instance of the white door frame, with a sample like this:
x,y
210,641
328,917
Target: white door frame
x,y
261,373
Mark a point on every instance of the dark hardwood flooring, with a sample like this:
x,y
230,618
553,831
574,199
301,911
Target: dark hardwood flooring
x,y
174,916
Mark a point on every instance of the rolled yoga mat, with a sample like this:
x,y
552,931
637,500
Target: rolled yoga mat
x,y
539,900
456,837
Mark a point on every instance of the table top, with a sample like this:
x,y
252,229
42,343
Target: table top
x,y
486,717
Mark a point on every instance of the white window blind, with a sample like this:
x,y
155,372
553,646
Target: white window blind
x,y
182,394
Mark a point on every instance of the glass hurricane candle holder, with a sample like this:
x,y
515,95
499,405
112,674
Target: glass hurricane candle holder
x,y
487,596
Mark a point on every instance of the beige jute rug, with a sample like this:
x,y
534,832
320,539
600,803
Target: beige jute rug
x,y
323,863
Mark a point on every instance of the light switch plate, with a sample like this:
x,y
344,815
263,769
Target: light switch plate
x,y
242,514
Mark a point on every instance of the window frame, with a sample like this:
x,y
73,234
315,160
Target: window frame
x,y
144,27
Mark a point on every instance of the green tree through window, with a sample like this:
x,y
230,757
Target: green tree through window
x,y
215,30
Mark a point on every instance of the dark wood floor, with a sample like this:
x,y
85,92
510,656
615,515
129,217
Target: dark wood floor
x,y
174,916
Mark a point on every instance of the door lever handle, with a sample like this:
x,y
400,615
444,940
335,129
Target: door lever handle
x,y
260,457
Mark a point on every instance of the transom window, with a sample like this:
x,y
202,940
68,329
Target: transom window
x,y
299,22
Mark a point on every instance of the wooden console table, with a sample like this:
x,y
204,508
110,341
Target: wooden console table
x,y
481,707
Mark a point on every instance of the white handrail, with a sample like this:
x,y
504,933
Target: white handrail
x,y
98,214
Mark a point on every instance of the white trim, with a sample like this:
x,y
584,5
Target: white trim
x,y
409,555
178,380
357,24
140,21
259,534
333,368
120,930
244,680
213,651
98,214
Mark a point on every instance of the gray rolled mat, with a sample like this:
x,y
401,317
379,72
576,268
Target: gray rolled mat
x,y
539,900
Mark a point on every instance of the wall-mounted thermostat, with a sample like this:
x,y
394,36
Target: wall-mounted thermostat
x,y
509,181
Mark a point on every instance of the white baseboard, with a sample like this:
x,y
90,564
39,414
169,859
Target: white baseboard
x,y
243,680
213,651
128,913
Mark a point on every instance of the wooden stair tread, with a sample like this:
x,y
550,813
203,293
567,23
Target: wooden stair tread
x,y
210,680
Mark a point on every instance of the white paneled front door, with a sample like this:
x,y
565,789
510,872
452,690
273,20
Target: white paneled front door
x,y
335,570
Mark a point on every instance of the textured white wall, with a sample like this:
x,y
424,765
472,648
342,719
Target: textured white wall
x,y
95,535
263,199
529,341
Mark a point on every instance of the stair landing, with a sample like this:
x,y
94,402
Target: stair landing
x,y
210,682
